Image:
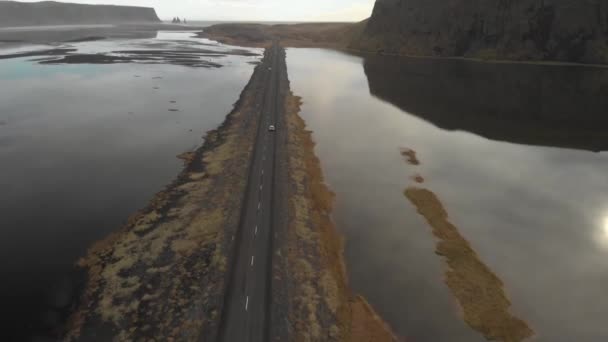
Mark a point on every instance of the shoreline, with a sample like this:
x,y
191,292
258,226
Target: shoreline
x,y
291,36
489,310
140,25
15,37
143,280
318,289
478,60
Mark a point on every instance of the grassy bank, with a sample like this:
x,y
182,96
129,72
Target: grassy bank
x,y
342,36
161,276
479,291
328,35
321,305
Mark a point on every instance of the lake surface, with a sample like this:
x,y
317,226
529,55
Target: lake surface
x,y
507,148
82,147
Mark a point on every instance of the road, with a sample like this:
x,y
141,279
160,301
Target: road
x,y
246,314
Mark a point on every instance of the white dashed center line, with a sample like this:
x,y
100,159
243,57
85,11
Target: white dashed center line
x,y
252,257
246,303
255,232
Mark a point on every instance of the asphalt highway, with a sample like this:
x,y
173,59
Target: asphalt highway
x,y
246,316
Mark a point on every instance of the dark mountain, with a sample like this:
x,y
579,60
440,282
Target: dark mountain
x,y
556,30
57,13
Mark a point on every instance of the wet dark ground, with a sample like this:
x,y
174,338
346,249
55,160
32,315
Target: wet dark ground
x,y
85,145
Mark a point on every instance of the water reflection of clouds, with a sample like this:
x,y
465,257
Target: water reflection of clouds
x,y
536,215
338,76
358,143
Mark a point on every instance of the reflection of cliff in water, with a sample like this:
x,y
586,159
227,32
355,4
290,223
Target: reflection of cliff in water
x,y
562,106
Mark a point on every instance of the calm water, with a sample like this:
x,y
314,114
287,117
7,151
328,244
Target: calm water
x,y
508,150
81,148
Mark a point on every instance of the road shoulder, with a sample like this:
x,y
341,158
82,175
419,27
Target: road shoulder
x,y
162,275
312,276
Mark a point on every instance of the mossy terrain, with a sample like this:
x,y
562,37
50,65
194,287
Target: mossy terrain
x,y
162,275
329,35
485,54
321,305
479,291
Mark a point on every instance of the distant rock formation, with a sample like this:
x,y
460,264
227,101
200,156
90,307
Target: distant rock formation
x,y
557,30
55,13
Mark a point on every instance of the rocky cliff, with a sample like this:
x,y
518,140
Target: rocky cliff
x,y
56,13
557,30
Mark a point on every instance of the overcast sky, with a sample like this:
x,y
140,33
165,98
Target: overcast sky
x,y
275,10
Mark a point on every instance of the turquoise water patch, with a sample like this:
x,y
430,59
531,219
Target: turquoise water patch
x,y
24,68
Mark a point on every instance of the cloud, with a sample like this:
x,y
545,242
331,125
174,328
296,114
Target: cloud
x,y
258,10
355,12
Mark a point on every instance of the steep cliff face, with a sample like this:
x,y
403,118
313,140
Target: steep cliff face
x,y
56,13
559,30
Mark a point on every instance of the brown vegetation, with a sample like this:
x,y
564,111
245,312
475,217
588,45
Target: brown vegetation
x,y
187,157
391,33
322,306
330,35
418,178
478,290
410,155
161,276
